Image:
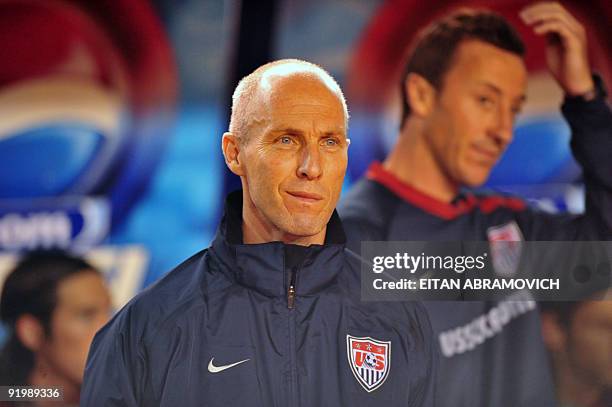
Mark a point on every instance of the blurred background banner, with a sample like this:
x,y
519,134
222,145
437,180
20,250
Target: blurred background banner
x,y
111,114
87,107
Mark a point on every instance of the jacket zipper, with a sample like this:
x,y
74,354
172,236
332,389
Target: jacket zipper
x,y
293,399
291,290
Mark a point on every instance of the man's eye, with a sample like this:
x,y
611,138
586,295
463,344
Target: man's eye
x,y
87,314
330,142
485,101
285,140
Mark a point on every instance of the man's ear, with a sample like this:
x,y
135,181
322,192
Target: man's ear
x,y
553,334
30,332
421,94
231,151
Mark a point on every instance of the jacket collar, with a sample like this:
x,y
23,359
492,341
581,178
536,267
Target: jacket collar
x,y
267,267
461,204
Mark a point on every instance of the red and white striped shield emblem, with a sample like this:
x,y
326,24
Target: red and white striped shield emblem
x,y
370,360
505,242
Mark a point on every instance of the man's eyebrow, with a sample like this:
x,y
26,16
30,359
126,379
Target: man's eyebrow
x,y
333,133
287,130
296,132
521,99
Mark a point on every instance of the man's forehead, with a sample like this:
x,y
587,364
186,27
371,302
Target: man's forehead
x,y
297,92
79,287
294,116
485,63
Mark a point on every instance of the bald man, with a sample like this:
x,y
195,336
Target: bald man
x,y
270,314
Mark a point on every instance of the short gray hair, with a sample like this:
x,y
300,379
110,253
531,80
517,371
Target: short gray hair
x,y
246,92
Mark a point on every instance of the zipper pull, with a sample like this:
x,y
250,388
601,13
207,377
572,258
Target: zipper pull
x,y
291,289
291,297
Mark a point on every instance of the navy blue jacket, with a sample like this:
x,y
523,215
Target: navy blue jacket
x,y
488,360
223,329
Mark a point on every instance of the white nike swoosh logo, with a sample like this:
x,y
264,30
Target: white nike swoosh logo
x,y
216,369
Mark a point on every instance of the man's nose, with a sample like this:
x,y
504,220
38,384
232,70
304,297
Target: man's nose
x,y
309,165
502,128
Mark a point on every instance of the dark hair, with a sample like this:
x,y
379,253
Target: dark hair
x,y
31,289
435,46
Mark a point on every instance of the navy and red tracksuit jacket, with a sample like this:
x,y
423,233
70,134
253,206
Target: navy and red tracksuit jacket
x,y
263,325
486,362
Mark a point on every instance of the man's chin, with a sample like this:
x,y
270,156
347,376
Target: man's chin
x,y
476,179
306,226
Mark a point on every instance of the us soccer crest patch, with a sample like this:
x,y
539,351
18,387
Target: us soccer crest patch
x,y
370,360
505,242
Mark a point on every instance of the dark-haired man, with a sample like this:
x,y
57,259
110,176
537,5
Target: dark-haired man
x,y
463,86
53,304
270,314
